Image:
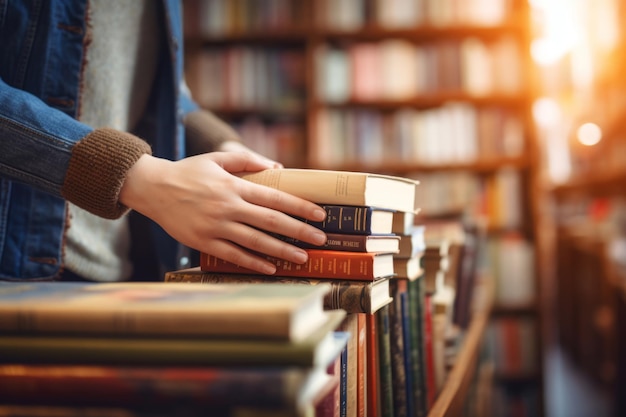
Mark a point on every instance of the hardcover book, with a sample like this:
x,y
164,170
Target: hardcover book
x,y
318,349
385,377
352,243
349,295
342,187
288,312
321,264
362,220
412,243
285,388
408,268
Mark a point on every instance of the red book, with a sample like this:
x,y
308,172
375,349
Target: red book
x,y
362,371
431,389
321,264
372,366
285,388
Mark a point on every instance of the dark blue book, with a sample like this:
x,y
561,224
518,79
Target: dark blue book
x,y
358,220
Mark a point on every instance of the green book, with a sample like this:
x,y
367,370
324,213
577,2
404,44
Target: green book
x,y
319,349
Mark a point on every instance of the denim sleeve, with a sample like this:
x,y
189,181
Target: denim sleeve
x,y
36,140
49,150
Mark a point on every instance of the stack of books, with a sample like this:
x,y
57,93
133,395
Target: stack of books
x,y
149,349
358,262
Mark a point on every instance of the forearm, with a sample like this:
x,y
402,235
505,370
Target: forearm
x,y
49,150
205,132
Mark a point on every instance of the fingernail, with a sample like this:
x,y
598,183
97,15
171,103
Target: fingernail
x,y
300,256
319,215
318,237
268,269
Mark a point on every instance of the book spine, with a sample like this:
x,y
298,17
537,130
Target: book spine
x,y
343,387
384,357
408,359
373,373
345,219
159,386
431,388
334,241
362,371
321,264
417,353
352,296
350,325
397,349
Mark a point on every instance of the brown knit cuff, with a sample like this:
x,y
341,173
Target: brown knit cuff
x,y
205,132
97,170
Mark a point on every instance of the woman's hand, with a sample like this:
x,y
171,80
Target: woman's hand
x,y
201,202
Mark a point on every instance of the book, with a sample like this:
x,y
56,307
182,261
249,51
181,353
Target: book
x,y
431,386
329,406
361,220
416,333
350,325
397,348
411,243
408,354
363,372
342,187
288,312
321,264
316,350
352,243
350,295
288,388
384,367
403,222
408,268
372,385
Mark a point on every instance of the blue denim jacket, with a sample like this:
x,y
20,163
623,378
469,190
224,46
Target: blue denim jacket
x,y
41,56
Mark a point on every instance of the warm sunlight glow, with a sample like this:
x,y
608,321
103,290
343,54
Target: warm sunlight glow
x,y
546,112
559,34
589,134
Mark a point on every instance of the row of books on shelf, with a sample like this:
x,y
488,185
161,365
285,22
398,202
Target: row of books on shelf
x,y
399,69
512,258
280,140
333,337
495,200
511,342
409,14
227,17
464,134
245,77
223,17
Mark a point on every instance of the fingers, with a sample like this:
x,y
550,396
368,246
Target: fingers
x,y
234,254
238,162
244,245
261,195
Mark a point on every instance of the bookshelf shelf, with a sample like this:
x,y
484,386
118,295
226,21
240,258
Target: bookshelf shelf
x,y
451,399
595,185
430,100
401,167
284,37
422,32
